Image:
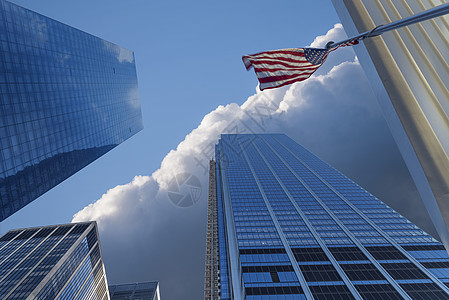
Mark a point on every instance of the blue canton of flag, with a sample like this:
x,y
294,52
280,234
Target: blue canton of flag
x,y
315,56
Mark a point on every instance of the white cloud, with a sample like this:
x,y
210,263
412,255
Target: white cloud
x,y
334,114
111,204
335,34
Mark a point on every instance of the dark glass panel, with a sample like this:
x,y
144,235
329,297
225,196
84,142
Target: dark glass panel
x,y
403,271
424,291
320,273
309,254
331,292
385,252
347,253
262,251
378,291
278,290
260,269
362,272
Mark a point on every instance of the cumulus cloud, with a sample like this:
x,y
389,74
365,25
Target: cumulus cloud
x,y
334,114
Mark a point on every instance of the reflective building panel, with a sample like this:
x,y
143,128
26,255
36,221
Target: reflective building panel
x,y
290,226
66,98
52,262
135,291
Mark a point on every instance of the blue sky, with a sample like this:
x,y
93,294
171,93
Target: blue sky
x,y
193,86
188,57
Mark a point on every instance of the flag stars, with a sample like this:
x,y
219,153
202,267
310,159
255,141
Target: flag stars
x,y
315,56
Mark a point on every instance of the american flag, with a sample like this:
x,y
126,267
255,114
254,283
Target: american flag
x,y
282,67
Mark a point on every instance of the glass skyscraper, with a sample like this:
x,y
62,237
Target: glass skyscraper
x,y
289,226
66,98
52,262
135,291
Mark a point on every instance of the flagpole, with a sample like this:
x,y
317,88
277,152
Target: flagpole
x,y
425,15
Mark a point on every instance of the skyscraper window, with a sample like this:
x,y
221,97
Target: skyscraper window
x,y
66,98
290,224
135,291
52,262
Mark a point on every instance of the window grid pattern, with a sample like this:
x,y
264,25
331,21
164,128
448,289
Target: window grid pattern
x,y
81,274
66,98
264,262
57,282
89,289
256,231
44,259
134,291
38,274
325,269
420,245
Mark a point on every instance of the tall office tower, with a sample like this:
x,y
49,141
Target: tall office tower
x,y
289,224
52,262
66,98
135,291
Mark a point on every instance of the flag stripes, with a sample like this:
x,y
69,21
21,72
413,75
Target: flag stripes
x,y
280,67
277,68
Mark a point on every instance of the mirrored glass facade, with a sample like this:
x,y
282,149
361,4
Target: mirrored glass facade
x,y
66,98
135,291
292,227
52,262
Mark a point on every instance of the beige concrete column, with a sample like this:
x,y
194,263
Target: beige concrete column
x,y
409,69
